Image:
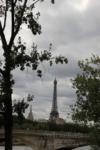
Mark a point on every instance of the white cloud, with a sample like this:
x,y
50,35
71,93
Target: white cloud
x,y
80,5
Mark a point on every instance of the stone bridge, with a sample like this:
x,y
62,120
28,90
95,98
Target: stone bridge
x,y
45,140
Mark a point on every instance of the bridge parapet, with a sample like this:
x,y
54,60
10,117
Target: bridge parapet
x,y
49,133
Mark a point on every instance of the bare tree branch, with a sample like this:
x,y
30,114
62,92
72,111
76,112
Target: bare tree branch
x,y
36,2
19,24
4,42
1,71
12,17
15,2
5,17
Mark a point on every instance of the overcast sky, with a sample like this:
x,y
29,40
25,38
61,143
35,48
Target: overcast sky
x,y
73,27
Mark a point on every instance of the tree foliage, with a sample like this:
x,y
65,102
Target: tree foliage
x,y
15,13
87,85
20,106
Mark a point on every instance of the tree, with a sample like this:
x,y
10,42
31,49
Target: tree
x,y
20,106
87,85
18,12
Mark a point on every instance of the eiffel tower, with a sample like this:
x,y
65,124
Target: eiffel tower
x,y
54,111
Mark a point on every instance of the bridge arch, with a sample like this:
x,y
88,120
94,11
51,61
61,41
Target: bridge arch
x,y
64,148
25,142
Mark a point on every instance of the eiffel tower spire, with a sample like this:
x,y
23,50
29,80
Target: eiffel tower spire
x,y
54,111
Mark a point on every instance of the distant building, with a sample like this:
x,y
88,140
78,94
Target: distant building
x,y
42,120
30,115
54,115
60,121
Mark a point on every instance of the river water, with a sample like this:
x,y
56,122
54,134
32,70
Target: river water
x,y
18,148
29,148
83,148
93,147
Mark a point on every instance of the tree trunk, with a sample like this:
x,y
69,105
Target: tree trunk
x,y
8,123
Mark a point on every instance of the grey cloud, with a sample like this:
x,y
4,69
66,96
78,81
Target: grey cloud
x,y
70,26
75,35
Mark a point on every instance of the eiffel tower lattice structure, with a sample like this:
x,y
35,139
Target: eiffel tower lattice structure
x,y
54,111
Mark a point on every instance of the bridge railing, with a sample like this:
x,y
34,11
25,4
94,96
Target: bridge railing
x,y
46,133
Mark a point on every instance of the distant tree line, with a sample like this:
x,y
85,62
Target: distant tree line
x,y
47,126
